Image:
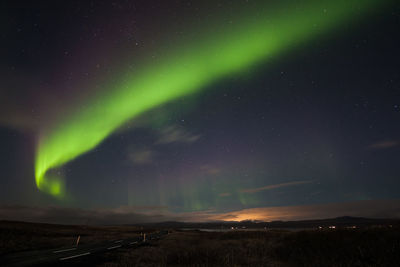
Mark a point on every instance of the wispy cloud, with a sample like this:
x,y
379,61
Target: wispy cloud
x,y
384,144
168,135
225,194
209,169
141,156
176,134
274,186
365,208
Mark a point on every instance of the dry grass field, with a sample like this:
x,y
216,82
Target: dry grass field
x,y
372,247
338,247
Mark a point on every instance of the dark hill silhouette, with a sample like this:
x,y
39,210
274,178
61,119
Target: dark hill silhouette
x,y
344,221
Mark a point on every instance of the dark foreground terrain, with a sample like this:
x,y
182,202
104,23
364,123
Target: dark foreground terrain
x,y
371,246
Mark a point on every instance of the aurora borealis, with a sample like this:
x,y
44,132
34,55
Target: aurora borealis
x,y
182,73
201,106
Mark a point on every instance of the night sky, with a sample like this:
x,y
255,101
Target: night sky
x,y
199,110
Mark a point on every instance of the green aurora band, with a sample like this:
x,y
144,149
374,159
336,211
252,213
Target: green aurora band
x,y
253,39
